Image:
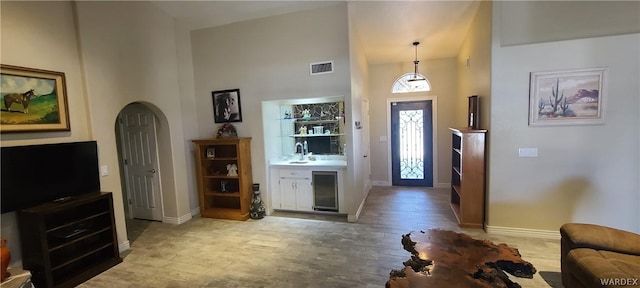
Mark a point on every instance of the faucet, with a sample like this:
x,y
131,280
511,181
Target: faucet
x,y
301,150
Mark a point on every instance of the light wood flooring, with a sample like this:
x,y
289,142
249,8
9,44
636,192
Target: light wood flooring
x,y
302,250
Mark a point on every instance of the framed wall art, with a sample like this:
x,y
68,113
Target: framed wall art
x,y
570,97
226,106
33,100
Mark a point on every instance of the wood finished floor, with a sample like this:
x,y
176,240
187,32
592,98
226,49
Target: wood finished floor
x,y
302,250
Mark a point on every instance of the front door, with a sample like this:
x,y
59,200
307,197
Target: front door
x,y
411,143
138,143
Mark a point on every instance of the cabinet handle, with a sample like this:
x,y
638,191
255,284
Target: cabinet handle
x,y
152,171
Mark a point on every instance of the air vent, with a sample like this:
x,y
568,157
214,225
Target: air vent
x,y
321,68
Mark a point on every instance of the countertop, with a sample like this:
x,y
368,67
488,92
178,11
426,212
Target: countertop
x,y
309,163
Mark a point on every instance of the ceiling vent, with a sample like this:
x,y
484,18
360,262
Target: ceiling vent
x,y
318,68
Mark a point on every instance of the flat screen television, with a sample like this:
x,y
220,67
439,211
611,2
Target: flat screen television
x,y
36,174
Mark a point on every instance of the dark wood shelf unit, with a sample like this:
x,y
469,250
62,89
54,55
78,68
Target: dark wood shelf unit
x,y
65,244
212,171
468,177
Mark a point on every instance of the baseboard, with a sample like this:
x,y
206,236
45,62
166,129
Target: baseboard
x,y
380,183
523,232
178,220
124,246
442,185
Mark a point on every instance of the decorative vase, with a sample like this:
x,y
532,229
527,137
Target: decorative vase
x,y
257,207
5,257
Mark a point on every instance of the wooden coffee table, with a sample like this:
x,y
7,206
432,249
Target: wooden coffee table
x,y
443,258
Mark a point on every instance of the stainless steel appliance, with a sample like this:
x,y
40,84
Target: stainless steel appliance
x,y
325,191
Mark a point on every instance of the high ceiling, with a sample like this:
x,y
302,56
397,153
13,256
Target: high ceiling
x,y
385,29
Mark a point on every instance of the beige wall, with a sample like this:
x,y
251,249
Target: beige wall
x,y
42,35
442,74
582,173
135,59
543,21
268,59
474,68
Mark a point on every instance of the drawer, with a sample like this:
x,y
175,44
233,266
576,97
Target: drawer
x,y
294,173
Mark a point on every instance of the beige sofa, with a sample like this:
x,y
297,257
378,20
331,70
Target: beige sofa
x,y
598,256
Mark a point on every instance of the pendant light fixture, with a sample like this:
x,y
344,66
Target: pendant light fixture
x,y
417,81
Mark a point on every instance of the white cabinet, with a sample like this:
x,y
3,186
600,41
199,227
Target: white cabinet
x,y
296,194
292,189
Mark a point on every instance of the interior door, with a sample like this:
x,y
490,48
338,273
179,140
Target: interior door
x,y
138,137
412,143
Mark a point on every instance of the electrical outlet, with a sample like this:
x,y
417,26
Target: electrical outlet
x,y
528,152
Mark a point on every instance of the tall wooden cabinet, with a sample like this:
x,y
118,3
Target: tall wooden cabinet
x,y
223,195
468,177
67,243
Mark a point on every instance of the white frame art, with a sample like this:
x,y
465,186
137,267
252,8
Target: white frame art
x,y
569,97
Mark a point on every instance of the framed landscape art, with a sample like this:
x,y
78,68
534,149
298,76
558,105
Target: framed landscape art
x,y
571,97
33,100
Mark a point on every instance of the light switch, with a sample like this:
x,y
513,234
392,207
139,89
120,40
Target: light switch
x,y
528,152
104,170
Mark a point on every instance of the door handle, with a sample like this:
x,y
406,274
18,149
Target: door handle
x,y
152,171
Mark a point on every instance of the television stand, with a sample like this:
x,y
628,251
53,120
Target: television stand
x,y
63,199
65,243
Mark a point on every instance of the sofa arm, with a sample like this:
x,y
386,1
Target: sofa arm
x,y
577,235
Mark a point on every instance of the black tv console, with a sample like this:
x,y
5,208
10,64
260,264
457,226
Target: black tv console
x,y
67,243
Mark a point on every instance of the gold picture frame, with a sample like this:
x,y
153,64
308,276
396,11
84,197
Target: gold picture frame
x,y
33,100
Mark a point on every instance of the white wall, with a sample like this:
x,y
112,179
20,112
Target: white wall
x,y
42,35
268,59
583,173
442,74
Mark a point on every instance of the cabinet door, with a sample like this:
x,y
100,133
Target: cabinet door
x,y
304,195
288,193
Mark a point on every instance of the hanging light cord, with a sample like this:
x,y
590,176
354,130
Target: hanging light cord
x,y
415,62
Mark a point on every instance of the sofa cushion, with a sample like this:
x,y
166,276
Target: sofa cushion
x,y
590,265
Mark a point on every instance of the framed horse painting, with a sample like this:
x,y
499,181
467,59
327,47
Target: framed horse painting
x,y
226,106
33,100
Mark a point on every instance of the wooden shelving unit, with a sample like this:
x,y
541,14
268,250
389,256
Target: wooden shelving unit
x,y
65,244
468,177
223,196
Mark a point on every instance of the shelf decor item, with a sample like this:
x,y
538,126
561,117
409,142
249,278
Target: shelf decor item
x,y
474,110
227,131
33,100
226,106
5,257
570,97
257,210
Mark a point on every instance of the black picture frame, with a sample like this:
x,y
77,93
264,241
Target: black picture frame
x,y
226,106
474,113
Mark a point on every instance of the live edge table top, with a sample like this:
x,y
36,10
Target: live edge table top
x,y
443,258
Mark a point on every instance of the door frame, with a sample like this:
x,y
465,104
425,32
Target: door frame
x,y
434,132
